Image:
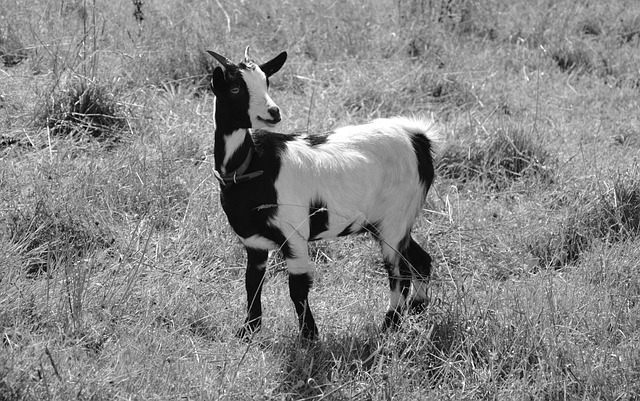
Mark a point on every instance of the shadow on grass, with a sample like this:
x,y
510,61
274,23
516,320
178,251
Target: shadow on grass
x,y
428,352
333,367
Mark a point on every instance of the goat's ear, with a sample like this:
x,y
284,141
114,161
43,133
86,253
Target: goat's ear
x,y
272,66
218,80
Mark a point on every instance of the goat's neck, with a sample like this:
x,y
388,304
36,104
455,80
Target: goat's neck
x,y
231,148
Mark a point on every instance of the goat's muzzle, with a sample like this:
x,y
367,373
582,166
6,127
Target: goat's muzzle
x,y
274,112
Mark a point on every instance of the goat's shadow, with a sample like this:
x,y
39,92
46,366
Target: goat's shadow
x,y
308,369
350,364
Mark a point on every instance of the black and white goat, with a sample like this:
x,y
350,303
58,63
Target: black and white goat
x,y
280,191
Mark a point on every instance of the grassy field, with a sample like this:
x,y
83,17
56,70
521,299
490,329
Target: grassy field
x,y
119,275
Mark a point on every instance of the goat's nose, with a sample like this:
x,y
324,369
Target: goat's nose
x,y
275,114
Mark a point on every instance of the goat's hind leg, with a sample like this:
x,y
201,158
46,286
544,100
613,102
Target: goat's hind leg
x,y
254,278
405,263
420,267
399,286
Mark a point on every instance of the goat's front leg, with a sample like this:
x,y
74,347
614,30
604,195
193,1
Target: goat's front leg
x,y
254,278
300,281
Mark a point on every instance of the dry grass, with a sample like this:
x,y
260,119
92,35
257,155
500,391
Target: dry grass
x,y
119,275
84,110
507,155
610,215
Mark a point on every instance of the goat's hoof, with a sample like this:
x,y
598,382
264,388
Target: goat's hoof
x,y
418,307
309,334
247,331
391,321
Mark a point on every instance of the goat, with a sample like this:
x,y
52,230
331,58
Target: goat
x,y
280,191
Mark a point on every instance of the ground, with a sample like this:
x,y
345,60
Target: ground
x,y
120,277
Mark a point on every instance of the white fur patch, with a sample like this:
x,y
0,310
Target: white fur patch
x,y
364,174
258,242
231,144
259,99
300,264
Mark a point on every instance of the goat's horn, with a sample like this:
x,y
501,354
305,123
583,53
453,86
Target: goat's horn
x,y
246,55
221,59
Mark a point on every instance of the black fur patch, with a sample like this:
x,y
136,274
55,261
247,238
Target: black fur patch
x,y
256,261
422,147
232,109
250,206
347,231
419,258
318,218
314,140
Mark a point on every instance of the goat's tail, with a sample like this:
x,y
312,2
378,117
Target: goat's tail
x,y
423,126
425,138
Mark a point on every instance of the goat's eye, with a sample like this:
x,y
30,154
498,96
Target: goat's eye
x,y
235,90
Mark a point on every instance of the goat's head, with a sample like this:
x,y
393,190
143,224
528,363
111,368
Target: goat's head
x,y
241,90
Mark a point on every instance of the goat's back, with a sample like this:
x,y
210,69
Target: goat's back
x,y
361,175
